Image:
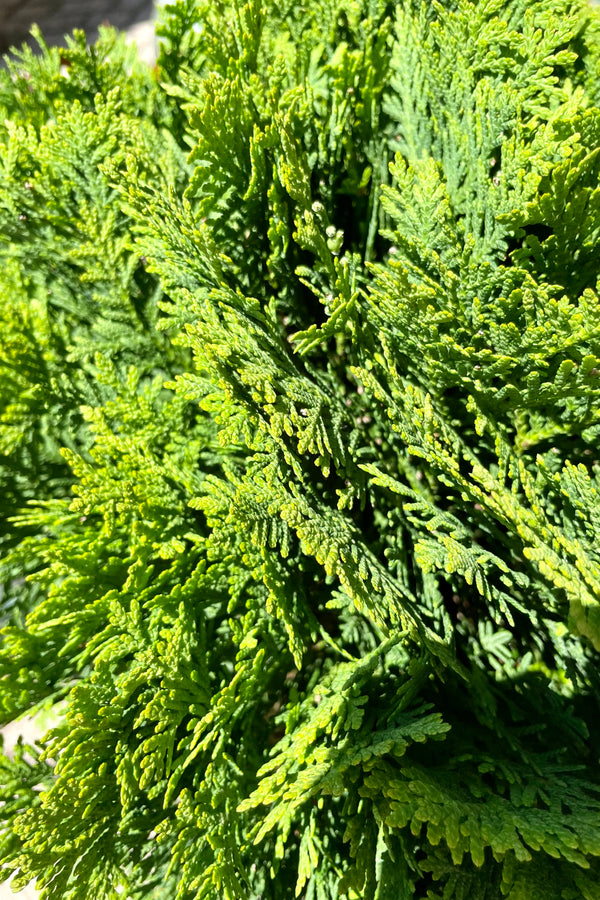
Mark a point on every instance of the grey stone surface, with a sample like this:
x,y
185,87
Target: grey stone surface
x,y
59,17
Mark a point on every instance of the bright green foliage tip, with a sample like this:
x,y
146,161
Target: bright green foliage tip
x,y
299,426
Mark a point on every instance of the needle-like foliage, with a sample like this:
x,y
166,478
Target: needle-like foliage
x,y
299,418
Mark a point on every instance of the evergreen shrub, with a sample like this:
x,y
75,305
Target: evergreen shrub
x,y
299,423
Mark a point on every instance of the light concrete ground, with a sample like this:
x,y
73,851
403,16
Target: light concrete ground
x,y
143,35
28,893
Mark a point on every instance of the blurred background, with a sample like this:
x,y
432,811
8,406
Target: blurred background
x,y
59,17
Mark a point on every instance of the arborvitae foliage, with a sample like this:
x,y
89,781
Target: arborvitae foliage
x,y
299,417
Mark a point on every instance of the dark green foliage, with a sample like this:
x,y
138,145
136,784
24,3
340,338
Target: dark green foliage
x,y
299,415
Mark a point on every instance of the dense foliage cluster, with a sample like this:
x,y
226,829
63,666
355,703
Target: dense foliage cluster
x,y
299,424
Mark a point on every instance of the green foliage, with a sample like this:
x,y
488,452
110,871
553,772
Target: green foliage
x,y
299,415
